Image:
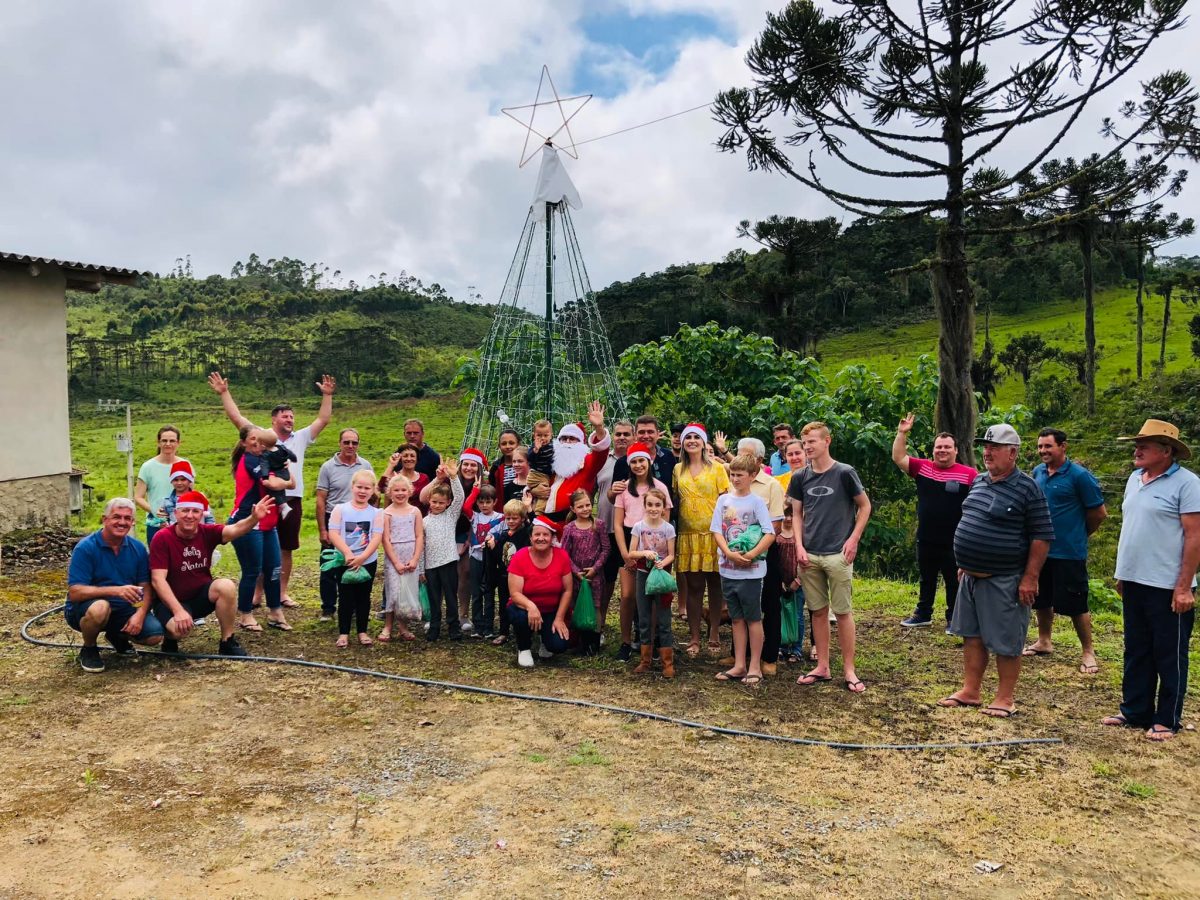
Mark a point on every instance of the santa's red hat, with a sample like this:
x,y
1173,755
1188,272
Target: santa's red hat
x,y
694,428
573,430
639,451
545,522
183,469
472,455
192,500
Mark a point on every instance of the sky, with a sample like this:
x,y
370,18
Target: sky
x,y
368,136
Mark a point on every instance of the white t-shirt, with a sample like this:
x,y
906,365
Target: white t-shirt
x,y
298,441
732,516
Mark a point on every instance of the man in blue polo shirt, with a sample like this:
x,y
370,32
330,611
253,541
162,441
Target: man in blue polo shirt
x,y
1157,557
1077,509
108,587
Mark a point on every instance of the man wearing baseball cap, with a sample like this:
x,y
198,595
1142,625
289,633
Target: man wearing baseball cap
x,y
1157,556
1000,545
180,572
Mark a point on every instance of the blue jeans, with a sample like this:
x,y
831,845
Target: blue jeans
x,y
519,619
258,553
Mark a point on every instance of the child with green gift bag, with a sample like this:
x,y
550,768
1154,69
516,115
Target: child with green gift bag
x,y
356,530
586,541
652,545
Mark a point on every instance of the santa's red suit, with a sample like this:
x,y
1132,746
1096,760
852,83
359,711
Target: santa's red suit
x,y
558,504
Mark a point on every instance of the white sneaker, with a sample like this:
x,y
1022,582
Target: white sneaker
x,y
198,622
525,659
543,653
466,628
602,639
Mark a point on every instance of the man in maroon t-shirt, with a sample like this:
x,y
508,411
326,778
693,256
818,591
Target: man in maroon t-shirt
x,y
942,485
181,572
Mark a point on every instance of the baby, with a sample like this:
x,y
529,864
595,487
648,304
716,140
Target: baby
x,y
277,457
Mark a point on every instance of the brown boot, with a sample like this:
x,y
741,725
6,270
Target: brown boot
x,y
644,666
668,662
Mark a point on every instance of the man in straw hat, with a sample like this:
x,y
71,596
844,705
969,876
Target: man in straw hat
x,y
1157,557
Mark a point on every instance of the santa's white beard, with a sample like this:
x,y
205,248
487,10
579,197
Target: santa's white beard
x,y
569,458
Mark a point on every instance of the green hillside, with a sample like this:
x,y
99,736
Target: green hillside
x,y
1060,323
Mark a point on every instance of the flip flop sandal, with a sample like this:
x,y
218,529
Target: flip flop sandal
x,y
365,642
1117,721
289,603
1030,651
998,712
955,703
851,685
810,679
1159,733
253,626
1088,670
751,680
726,676
384,638
342,643
692,651
408,636
498,641
278,626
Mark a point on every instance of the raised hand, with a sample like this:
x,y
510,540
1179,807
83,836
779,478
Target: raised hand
x,y
719,442
906,423
259,510
596,414
327,384
217,383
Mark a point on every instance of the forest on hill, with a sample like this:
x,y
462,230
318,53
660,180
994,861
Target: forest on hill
x,y
278,323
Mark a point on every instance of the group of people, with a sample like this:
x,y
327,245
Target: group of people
x,y
509,550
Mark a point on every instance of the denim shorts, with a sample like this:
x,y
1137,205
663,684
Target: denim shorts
x,y
743,598
120,613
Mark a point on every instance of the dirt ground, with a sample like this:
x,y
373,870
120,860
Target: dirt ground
x,y
186,779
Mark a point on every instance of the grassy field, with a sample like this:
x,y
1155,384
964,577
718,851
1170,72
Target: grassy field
x,y
1059,323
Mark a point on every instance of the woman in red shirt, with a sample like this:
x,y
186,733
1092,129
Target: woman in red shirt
x,y
539,588
258,549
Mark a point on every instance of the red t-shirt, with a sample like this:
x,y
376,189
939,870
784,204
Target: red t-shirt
x,y
188,563
543,586
248,477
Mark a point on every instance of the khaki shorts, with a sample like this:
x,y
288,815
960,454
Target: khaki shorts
x,y
827,582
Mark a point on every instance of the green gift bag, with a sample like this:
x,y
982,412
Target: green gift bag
x,y
660,581
747,540
789,622
584,617
424,594
356,576
331,559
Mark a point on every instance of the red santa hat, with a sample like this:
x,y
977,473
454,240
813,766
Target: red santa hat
x,y
183,469
639,451
545,522
475,456
694,428
572,430
192,500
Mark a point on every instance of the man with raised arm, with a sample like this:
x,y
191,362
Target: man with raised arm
x,y
283,423
181,572
942,485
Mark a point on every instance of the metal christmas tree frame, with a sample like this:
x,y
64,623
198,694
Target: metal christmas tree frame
x,y
547,354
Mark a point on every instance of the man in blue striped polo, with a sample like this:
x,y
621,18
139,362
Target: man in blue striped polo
x,y
1000,545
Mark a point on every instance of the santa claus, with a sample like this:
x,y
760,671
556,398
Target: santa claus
x,y
577,462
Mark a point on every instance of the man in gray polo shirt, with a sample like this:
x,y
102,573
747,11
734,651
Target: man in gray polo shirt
x,y
333,487
1157,557
1000,545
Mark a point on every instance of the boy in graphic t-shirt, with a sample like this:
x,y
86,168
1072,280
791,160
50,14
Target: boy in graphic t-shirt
x,y
483,599
742,571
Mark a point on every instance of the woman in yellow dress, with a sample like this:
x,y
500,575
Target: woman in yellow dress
x,y
699,480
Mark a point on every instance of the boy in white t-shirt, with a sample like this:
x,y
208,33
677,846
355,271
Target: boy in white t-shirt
x,y
742,572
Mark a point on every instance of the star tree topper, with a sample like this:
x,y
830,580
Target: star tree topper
x,y
567,108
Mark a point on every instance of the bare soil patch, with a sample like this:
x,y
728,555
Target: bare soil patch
x,y
184,779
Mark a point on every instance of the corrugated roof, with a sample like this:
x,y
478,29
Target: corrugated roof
x,y
67,264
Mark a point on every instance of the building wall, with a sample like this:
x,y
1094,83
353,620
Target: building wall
x,y
33,380
33,502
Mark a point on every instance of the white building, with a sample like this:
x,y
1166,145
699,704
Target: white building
x,y
35,442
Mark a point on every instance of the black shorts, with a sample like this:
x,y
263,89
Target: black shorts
x,y
1063,587
613,563
288,527
198,605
